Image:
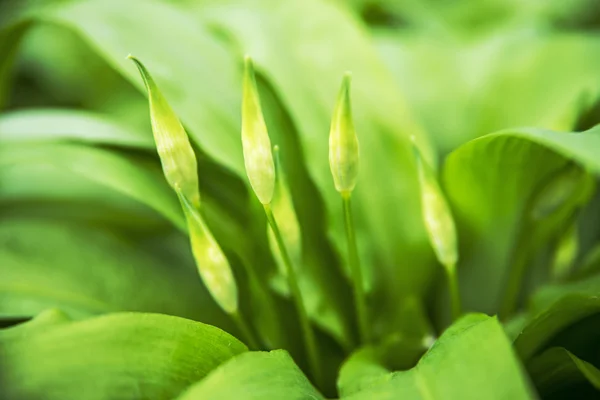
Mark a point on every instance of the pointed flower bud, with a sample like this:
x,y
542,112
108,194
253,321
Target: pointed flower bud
x,y
172,143
343,143
211,262
436,214
255,139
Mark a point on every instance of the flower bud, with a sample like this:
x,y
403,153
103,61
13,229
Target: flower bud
x,y
436,214
258,158
343,143
212,264
172,143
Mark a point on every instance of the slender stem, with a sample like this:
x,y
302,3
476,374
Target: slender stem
x,y
357,278
308,333
245,329
454,292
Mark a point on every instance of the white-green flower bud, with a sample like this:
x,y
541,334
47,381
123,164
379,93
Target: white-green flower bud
x,y
258,158
343,143
436,215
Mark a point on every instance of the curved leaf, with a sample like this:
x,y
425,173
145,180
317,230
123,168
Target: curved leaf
x,y
532,86
471,360
117,356
492,201
255,375
554,308
37,125
557,368
85,270
135,178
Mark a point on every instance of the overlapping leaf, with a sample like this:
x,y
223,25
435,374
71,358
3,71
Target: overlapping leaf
x,y
87,270
117,356
471,360
255,375
491,199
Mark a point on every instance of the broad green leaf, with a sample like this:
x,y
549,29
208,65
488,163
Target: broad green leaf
x,y
44,125
86,270
44,190
553,309
255,375
532,86
133,177
117,356
492,201
174,148
557,368
44,320
371,364
397,352
473,359
182,63
10,39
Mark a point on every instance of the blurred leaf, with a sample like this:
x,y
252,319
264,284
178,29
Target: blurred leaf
x,y
44,125
134,178
255,375
85,270
553,309
183,61
10,39
473,352
544,79
117,356
42,190
372,364
492,199
557,368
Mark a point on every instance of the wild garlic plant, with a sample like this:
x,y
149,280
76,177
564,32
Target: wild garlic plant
x,y
179,166
385,245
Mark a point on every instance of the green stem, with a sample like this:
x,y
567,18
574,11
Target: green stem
x,y
246,331
454,292
359,291
308,333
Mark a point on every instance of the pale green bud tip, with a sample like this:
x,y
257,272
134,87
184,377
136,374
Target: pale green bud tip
x,y
212,264
172,143
343,143
436,214
258,158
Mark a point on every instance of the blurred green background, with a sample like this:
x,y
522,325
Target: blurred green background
x,y
90,226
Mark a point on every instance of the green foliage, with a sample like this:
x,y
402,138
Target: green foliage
x,y
117,356
476,193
